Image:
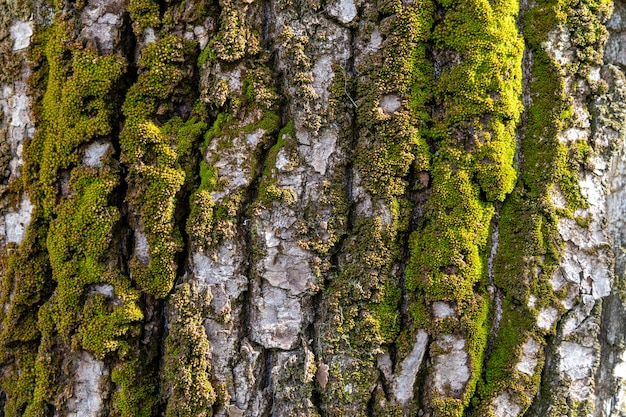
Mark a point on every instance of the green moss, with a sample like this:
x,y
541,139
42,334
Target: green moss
x,y
78,262
363,300
474,137
76,108
187,367
107,327
251,111
186,135
53,283
137,393
387,311
215,130
46,365
18,381
530,246
209,223
25,282
144,14
353,378
257,88
208,177
157,158
446,259
201,224
268,191
270,122
207,55
500,369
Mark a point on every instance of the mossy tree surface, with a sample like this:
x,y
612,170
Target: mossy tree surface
x,y
364,298
478,105
305,208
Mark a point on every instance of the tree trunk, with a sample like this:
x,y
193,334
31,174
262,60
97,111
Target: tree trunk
x,y
313,208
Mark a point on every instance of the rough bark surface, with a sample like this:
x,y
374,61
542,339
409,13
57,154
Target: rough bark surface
x,y
313,208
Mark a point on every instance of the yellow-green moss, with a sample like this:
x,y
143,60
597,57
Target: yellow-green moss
x,y
154,156
235,38
187,369
529,243
144,13
473,132
69,255
75,109
78,261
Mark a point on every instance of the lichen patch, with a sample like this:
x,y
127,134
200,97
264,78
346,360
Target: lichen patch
x,y
21,32
16,222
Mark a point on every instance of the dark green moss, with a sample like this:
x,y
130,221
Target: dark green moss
x,y
363,299
268,191
137,395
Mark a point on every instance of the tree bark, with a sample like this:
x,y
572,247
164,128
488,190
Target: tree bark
x,y
313,208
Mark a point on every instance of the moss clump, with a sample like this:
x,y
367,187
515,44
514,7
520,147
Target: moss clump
x,y
137,394
89,303
47,372
478,101
58,264
76,108
187,134
144,13
235,38
18,381
78,261
25,285
200,223
187,368
268,191
530,245
72,294
257,89
215,130
154,156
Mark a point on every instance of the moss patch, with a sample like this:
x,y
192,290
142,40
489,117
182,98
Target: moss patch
x,y
187,369
530,246
478,99
154,155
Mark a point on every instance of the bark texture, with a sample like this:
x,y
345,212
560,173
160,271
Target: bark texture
x,y
313,208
